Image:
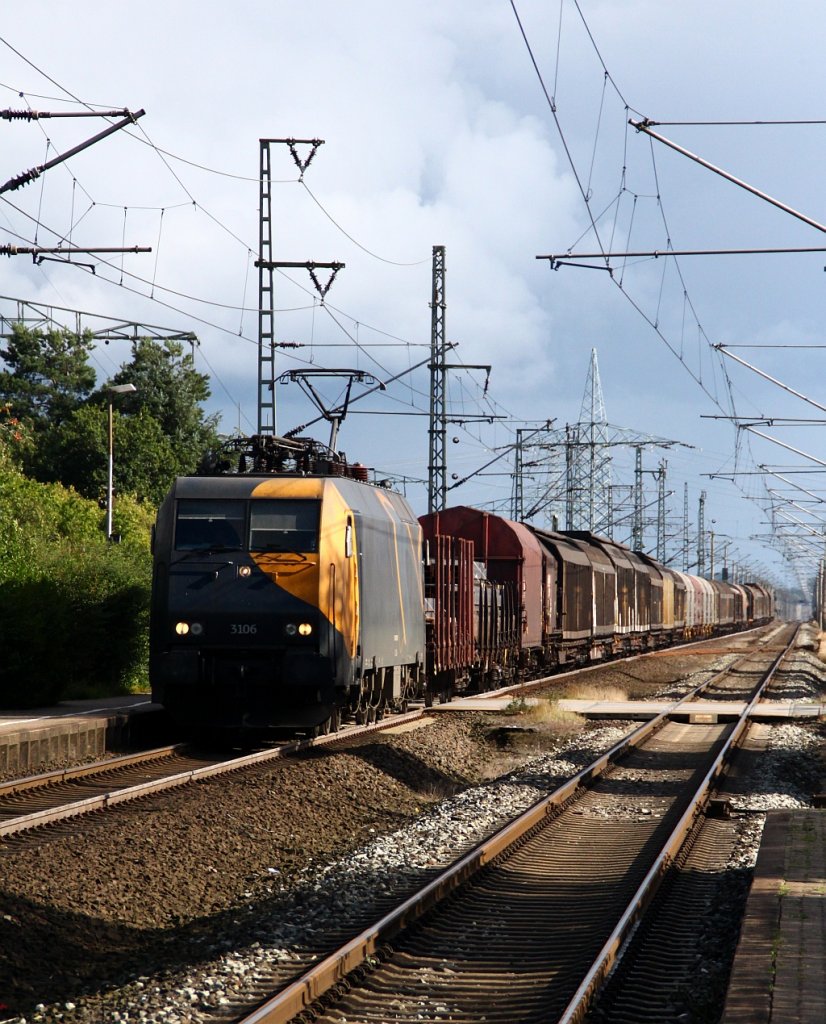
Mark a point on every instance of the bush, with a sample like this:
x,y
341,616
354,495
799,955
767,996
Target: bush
x,y
74,609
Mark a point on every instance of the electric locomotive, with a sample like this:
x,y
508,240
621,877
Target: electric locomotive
x,y
285,594
287,591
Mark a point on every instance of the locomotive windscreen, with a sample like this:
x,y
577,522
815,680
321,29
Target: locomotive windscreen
x,y
261,525
283,525
209,524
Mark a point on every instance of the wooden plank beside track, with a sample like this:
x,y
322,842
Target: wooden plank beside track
x,y
778,974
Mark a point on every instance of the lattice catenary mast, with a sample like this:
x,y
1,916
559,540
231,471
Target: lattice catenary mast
x,y
437,460
266,265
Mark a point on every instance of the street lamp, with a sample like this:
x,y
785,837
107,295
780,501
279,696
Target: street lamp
x,y
114,389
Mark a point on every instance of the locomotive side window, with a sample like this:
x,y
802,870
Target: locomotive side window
x,y
209,525
283,525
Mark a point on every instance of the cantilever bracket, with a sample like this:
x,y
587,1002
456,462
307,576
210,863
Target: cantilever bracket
x,y
35,172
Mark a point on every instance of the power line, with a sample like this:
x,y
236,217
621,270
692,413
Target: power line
x,y
328,215
194,203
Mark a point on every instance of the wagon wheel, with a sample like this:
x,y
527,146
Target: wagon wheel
x,y
330,724
359,712
446,695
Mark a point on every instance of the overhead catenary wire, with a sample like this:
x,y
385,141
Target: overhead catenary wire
x,y
602,254
153,284
717,365
364,249
137,277
569,156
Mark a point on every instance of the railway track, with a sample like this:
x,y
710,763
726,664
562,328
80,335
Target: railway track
x,y
690,923
719,645
42,800
658,978
527,925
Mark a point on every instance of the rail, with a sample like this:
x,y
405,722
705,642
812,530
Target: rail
x,y
112,798
297,996
125,794
578,1006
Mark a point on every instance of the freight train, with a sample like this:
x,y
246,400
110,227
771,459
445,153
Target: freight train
x,y
289,592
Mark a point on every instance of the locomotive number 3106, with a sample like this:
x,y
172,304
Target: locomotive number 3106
x,y
243,628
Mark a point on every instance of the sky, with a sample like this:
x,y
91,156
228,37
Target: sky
x,y
500,131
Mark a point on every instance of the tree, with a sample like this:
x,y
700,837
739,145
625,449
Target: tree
x,y
77,454
161,430
48,375
147,460
171,391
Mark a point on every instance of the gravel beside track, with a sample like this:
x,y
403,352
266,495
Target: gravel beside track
x,y
163,910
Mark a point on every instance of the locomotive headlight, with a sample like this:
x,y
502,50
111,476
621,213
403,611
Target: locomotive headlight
x,y
181,628
196,629
291,629
305,629
244,571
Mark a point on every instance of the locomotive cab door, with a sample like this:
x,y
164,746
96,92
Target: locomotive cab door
x,y
353,557
344,604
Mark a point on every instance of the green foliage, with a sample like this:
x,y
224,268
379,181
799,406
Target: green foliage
x,y
133,521
77,453
148,460
170,391
73,608
48,375
34,516
160,430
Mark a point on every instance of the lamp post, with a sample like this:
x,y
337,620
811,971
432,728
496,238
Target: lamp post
x,y
114,389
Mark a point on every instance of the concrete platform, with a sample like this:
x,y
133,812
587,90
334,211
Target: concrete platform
x,y
779,972
697,711
481,704
71,730
641,710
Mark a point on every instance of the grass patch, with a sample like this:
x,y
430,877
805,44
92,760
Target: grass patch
x,y
545,712
595,691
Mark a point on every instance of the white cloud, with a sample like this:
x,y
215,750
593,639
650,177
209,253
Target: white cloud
x,y
436,132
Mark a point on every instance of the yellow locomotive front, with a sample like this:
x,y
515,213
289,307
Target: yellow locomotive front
x,y
245,631
259,613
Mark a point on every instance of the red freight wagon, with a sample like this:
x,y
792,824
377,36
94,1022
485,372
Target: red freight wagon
x,y
510,554
449,612
509,589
